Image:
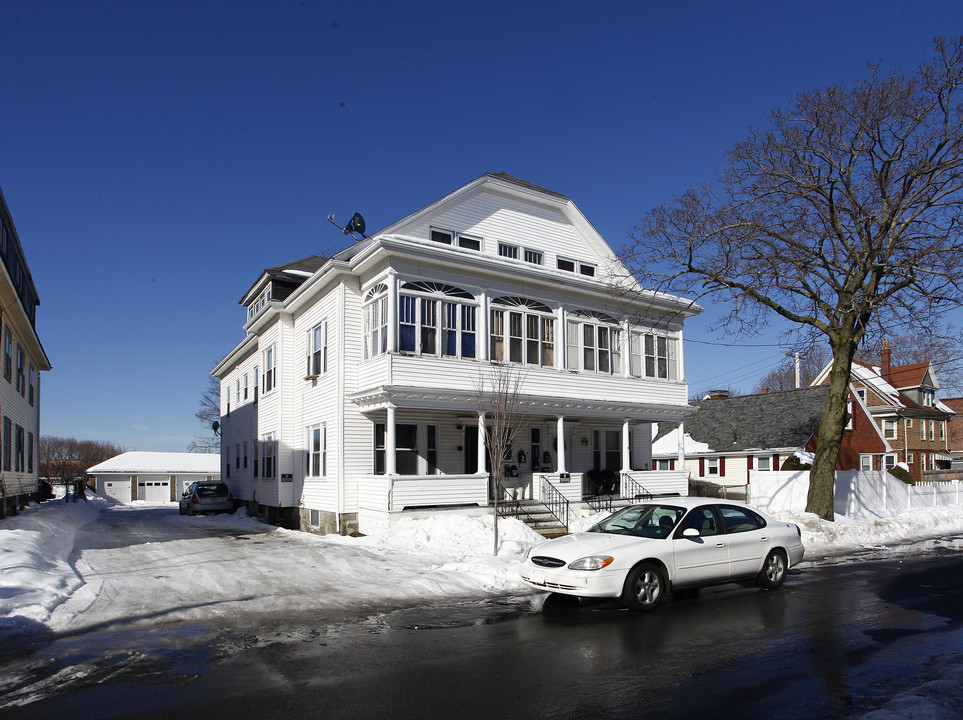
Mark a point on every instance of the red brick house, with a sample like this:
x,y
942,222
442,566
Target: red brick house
x,y
901,399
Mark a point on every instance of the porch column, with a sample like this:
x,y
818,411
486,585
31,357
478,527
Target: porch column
x,y
482,337
482,442
392,335
560,444
681,457
390,465
626,461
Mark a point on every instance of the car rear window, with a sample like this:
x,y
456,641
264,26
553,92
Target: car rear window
x,y
212,490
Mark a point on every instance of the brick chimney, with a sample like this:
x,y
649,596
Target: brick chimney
x,y
718,394
886,358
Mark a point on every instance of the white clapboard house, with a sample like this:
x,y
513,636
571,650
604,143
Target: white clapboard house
x,y
354,396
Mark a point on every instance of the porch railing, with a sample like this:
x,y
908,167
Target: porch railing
x,y
553,499
634,490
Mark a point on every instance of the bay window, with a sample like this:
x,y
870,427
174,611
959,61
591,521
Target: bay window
x,y
527,326
653,356
434,319
375,318
593,343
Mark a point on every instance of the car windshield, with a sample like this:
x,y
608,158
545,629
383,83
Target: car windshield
x,y
212,490
648,521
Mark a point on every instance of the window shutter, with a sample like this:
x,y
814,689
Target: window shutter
x,y
775,461
749,461
702,467
722,467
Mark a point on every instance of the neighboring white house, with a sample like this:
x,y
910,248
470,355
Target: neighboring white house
x,y
23,361
153,476
354,395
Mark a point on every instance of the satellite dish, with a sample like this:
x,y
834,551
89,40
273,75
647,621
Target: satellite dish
x,y
355,224
215,425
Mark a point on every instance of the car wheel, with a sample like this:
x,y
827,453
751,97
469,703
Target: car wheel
x,y
645,587
773,571
180,509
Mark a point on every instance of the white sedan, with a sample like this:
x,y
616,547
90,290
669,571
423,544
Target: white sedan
x,y
642,552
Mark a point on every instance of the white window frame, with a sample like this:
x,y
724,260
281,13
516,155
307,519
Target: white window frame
x,y
433,314
317,454
268,457
317,350
535,257
763,459
522,331
889,428
865,463
375,319
507,250
270,370
889,461
932,430
592,342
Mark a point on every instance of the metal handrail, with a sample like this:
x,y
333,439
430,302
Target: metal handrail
x,y
556,503
634,490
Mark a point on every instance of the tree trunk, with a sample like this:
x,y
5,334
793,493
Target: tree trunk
x,y
829,435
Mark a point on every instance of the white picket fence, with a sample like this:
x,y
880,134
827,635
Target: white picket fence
x,y
858,494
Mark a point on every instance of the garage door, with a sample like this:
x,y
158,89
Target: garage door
x,y
115,488
154,488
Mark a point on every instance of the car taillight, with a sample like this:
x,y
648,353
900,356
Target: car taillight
x,y
230,497
195,500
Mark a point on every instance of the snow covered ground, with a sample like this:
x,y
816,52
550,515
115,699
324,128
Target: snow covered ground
x,y
234,563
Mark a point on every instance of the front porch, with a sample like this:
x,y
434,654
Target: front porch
x,y
385,498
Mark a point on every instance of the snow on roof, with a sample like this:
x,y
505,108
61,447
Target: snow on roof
x,y
871,376
160,462
668,444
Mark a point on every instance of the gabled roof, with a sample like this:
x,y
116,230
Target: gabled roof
x,y
767,421
912,376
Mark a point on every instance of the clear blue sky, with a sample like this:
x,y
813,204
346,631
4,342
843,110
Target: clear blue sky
x,y
156,156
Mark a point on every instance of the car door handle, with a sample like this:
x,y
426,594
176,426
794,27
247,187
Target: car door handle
x,y
764,538
720,545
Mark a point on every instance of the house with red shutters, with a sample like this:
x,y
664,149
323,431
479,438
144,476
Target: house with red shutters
x,y
901,400
729,437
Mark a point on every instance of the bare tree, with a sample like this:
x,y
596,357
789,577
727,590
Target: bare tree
x,y
208,411
64,459
843,217
499,397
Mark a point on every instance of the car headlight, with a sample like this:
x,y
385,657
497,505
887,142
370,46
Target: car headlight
x,y
593,562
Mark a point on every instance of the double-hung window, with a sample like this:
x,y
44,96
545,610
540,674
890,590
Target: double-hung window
x,y
375,318
436,319
268,466
269,370
30,390
889,429
653,356
20,448
8,356
318,349
7,443
522,331
317,451
593,343
21,372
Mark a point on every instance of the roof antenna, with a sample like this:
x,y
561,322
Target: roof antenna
x,y
355,225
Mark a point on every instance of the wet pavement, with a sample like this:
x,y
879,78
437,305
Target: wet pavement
x,y
839,638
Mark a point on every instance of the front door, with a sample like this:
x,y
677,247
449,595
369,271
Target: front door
x,y
471,449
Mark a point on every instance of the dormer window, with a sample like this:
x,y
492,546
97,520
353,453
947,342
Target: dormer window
x,y
509,251
258,305
449,237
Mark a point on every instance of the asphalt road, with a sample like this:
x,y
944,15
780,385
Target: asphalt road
x,y
837,640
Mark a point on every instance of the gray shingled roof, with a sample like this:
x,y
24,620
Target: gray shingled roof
x,y
770,420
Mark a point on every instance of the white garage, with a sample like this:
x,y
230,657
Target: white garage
x,y
154,488
152,476
117,489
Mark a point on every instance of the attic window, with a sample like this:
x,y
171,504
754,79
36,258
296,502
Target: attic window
x,y
469,243
442,236
533,256
509,251
586,269
566,265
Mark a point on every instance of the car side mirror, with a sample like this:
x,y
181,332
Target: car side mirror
x,y
690,532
